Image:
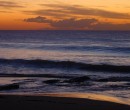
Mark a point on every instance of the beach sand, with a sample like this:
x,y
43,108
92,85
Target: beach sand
x,y
61,101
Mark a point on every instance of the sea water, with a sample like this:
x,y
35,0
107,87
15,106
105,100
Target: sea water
x,y
32,58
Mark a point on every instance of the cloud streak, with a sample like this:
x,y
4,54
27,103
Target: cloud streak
x,y
75,24
70,10
9,4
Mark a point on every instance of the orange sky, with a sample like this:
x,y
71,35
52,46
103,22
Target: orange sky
x,y
65,14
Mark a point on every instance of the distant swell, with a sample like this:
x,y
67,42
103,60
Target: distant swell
x,y
66,64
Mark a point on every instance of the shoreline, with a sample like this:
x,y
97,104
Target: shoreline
x,y
60,101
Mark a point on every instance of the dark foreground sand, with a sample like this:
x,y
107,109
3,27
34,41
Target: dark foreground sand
x,y
55,102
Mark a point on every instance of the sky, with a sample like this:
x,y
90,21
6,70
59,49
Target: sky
x,y
64,14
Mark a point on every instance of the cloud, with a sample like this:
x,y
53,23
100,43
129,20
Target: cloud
x,y
75,24
38,19
71,23
69,10
49,12
9,4
110,26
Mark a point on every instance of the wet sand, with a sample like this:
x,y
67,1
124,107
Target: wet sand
x,y
59,102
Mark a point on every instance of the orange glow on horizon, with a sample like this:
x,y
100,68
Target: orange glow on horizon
x,y
12,14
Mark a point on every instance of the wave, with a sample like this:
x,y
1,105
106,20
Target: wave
x,y
37,75
73,78
66,64
65,47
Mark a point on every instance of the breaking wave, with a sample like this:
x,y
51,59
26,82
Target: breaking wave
x,y
66,64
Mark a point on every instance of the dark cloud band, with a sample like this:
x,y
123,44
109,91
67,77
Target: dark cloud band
x,y
73,24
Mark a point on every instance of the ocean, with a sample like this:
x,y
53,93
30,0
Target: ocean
x,y
65,61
